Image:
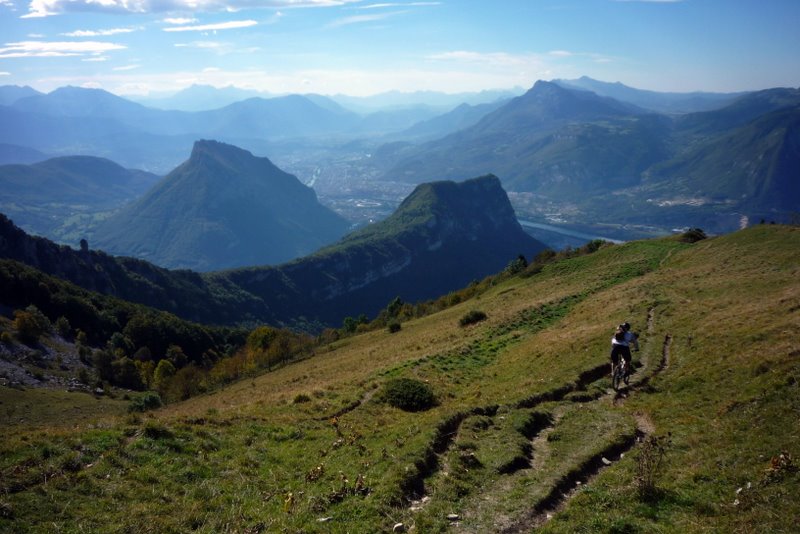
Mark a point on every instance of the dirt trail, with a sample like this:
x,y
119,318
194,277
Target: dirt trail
x,y
583,474
449,429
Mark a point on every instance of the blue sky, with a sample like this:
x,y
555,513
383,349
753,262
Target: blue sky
x,y
362,47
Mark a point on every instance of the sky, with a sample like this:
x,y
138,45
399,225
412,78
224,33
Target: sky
x,y
364,47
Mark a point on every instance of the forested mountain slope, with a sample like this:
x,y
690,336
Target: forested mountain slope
x,y
443,236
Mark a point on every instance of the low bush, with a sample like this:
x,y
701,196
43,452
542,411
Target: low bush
x,y
149,401
301,398
472,317
393,327
30,324
693,235
408,394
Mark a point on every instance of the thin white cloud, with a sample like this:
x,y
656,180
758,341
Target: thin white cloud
x,y
359,19
219,48
209,45
35,36
96,59
98,33
56,48
398,4
4,73
45,8
561,53
178,21
125,68
234,24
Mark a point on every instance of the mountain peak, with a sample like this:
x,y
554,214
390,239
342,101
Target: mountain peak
x,y
74,89
223,207
547,103
543,85
475,209
219,163
211,147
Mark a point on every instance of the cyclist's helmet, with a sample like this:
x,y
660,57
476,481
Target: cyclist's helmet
x,y
626,326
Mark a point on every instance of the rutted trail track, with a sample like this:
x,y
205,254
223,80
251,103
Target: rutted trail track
x,y
584,473
558,400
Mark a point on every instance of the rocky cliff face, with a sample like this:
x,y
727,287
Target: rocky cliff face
x,y
443,236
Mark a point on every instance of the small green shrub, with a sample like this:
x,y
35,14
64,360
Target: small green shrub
x,y
6,338
30,324
63,328
692,235
156,430
408,394
472,317
301,398
516,266
72,462
149,401
393,327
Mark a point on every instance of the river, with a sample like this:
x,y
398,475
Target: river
x,y
565,231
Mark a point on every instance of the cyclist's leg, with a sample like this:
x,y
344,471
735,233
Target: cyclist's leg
x,y
614,358
626,355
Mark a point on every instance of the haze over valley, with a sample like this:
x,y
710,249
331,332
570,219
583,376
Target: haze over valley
x,y
560,150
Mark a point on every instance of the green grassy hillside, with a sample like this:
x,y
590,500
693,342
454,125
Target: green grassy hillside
x,y
524,415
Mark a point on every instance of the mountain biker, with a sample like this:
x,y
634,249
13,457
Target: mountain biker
x,y
620,346
631,337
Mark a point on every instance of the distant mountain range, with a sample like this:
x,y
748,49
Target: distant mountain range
x,y
199,97
461,117
222,208
73,179
10,154
73,120
51,196
11,93
548,125
118,128
620,162
430,99
677,103
443,236
569,147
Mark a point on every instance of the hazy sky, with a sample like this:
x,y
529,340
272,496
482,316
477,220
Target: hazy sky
x,y
365,47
